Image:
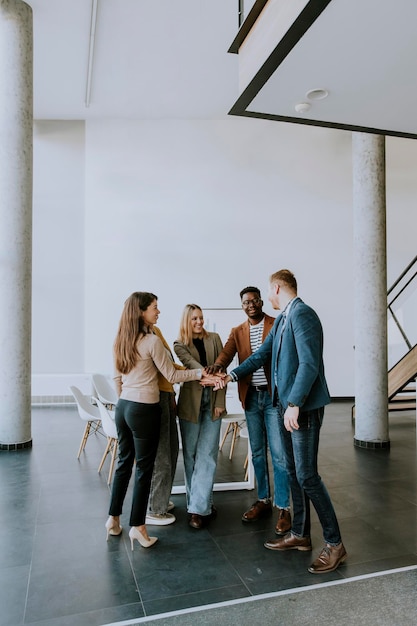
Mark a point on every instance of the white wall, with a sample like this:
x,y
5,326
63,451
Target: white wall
x,y
196,210
401,157
58,248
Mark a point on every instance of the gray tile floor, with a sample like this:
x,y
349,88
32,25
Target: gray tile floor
x,y
56,568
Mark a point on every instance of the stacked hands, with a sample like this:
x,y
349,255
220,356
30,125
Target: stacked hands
x,y
213,376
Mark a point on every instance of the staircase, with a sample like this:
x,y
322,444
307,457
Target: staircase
x,y
402,341
402,383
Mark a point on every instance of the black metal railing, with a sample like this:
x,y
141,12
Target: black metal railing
x,y
402,314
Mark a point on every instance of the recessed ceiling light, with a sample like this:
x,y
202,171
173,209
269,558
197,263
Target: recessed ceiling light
x,y
317,94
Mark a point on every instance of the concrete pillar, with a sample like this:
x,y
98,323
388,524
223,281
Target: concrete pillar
x,y
16,148
370,292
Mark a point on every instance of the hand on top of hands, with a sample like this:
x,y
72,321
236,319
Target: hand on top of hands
x,y
213,369
213,380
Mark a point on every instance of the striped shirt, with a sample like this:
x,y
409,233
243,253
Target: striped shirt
x,y
256,333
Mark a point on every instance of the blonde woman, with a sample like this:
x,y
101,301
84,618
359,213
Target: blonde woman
x,y
139,355
200,410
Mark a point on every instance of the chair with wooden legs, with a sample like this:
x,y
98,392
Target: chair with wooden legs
x,y
234,422
245,434
110,431
104,390
88,413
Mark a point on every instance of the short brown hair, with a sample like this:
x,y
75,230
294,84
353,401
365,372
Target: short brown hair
x,y
286,278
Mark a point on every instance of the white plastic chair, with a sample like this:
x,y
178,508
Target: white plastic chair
x,y
235,420
88,413
104,390
245,434
109,427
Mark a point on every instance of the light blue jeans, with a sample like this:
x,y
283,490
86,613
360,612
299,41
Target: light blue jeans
x,y
200,444
262,420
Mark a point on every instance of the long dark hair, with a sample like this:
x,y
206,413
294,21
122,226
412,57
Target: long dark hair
x,y
131,327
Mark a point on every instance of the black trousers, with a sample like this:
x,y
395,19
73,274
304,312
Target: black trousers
x,y
138,427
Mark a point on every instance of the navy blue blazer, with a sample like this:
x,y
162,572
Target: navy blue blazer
x,y
297,369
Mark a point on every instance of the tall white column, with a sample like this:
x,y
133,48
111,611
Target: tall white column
x,y
16,124
370,289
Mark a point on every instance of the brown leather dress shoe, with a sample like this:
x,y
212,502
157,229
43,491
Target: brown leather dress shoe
x,y
258,510
283,522
196,521
329,559
289,542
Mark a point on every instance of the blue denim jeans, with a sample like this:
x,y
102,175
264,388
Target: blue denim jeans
x,y
200,444
301,449
262,421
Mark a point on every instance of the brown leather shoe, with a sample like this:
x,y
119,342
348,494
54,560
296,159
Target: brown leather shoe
x,y
329,559
258,510
196,521
289,542
283,522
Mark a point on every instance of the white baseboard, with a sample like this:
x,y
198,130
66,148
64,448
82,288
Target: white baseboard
x,y
54,388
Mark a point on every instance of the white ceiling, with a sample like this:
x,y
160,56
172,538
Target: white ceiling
x,y
152,58
168,59
363,52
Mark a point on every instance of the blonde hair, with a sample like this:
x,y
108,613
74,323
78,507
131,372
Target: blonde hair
x,y
186,332
131,327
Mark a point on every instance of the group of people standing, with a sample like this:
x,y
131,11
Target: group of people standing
x,y
282,389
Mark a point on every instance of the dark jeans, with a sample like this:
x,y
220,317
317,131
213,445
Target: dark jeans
x,y
301,450
166,456
138,427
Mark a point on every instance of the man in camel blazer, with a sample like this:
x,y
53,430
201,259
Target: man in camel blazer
x,y
239,343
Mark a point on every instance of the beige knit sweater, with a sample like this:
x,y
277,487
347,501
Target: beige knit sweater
x,y
141,383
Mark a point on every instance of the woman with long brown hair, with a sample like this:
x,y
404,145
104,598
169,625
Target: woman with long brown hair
x,y
139,355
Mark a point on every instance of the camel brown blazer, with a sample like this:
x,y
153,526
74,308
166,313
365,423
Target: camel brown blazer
x,y
239,342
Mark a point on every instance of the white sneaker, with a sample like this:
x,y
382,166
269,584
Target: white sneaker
x,y
159,519
171,506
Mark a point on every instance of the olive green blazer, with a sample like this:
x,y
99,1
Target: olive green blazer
x,y
189,400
